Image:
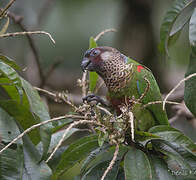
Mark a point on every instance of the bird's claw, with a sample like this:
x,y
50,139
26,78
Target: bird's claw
x,y
92,97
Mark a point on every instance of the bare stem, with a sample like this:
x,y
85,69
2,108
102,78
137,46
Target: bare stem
x,y
57,96
131,121
84,84
28,32
7,7
38,125
103,32
112,162
160,102
105,110
183,80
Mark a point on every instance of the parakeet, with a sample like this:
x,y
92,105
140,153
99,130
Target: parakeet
x,y
128,82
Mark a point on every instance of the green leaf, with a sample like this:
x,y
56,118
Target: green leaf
x,y
13,76
102,138
190,85
183,17
92,157
192,30
101,157
34,169
5,26
11,164
23,116
173,135
92,43
8,128
9,62
61,123
174,20
174,156
56,138
97,171
93,76
75,152
137,165
188,155
160,169
9,89
38,108
142,136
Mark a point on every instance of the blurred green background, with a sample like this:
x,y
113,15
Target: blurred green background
x,y
72,22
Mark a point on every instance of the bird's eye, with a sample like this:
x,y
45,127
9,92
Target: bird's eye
x,y
87,53
95,52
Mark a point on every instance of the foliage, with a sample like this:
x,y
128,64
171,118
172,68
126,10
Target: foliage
x,y
182,12
161,153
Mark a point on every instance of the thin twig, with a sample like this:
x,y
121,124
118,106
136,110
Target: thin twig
x,y
57,96
38,125
112,162
131,121
183,80
45,91
160,102
7,7
103,32
65,133
105,110
146,90
28,32
84,84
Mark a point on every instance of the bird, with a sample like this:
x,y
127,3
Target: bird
x,y
128,82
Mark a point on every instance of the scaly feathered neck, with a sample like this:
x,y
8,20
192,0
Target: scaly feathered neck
x,y
115,72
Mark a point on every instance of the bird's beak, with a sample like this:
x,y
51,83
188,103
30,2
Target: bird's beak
x,y
85,63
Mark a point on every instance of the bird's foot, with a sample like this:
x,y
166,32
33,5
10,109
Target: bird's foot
x,y
93,97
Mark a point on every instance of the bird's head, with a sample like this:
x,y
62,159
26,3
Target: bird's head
x,y
102,59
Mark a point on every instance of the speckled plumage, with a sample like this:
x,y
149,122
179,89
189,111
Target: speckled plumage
x,y
125,80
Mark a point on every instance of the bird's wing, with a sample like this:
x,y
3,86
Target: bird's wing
x,y
147,86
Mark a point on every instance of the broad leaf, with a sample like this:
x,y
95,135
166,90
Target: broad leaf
x,y
97,171
11,164
9,62
177,157
181,11
23,116
104,155
8,128
75,152
56,138
33,168
92,157
183,17
160,169
190,85
38,108
137,165
12,75
173,135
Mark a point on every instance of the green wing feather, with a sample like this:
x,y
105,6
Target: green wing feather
x,y
153,94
